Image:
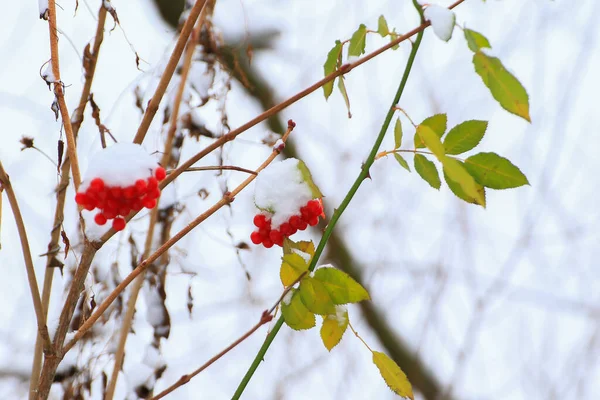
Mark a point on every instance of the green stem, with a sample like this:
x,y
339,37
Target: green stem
x,y
364,173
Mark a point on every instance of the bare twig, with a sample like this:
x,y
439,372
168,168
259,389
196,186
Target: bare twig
x,y
169,70
265,318
60,95
220,168
89,63
227,199
33,286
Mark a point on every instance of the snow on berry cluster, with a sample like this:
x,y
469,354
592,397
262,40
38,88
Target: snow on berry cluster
x,y
120,179
288,201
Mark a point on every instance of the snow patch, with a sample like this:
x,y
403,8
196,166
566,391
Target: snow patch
x,y
305,256
153,358
279,145
119,165
442,21
43,7
287,299
281,191
341,315
48,75
201,77
107,5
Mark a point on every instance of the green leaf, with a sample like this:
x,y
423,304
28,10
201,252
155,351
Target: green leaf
x,y
476,41
307,177
457,173
382,26
315,296
333,327
495,172
295,314
437,123
330,63
394,36
397,134
427,170
430,139
303,245
460,193
392,375
358,41
292,267
464,136
342,87
341,287
505,88
401,161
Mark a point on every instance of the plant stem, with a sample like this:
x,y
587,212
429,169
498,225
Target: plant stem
x,y
364,173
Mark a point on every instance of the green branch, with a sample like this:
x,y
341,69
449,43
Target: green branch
x,y
364,173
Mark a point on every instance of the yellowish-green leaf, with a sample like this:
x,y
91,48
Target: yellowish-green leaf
x,y
476,41
307,177
460,193
464,136
341,287
401,161
316,297
495,172
333,327
292,267
394,36
295,314
427,170
437,123
505,88
431,140
382,26
330,65
457,173
392,375
358,42
342,87
397,134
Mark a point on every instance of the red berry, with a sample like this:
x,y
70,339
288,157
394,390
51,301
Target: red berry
x,y
313,221
124,210
268,243
155,194
152,184
314,207
292,231
141,186
295,221
275,236
81,198
160,173
118,224
129,192
264,233
100,219
256,238
260,221
112,204
306,214
303,226
286,229
279,242
109,213
97,185
149,203
89,206
116,192
137,205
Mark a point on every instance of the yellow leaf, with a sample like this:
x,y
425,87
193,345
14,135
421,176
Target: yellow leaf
x,y
292,267
334,326
430,139
392,375
315,297
457,173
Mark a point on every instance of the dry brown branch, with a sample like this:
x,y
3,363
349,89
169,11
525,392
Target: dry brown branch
x,y
89,63
227,199
33,286
60,95
169,71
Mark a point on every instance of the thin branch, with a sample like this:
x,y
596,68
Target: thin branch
x,y
219,168
89,64
265,318
33,286
169,71
227,199
60,95
364,174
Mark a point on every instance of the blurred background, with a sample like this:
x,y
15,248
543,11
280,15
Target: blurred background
x,y
501,303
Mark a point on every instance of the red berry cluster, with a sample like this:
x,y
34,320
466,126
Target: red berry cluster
x,y
309,215
115,202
